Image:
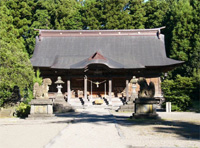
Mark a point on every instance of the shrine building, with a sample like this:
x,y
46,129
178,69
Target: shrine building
x,y
101,63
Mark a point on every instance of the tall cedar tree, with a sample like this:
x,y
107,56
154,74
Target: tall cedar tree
x,y
115,14
15,67
180,35
194,56
156,12
183,43
67,15
21,11
92,14
51,14
137,14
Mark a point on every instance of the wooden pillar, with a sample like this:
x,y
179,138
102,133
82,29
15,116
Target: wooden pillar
x,y
105,90
91,90
110,91
127,95
85,88
68,91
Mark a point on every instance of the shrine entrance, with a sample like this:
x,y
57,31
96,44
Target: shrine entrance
x,y
94,87
97,87
97,82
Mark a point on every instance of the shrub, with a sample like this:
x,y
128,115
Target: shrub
x,y
179,92
23,110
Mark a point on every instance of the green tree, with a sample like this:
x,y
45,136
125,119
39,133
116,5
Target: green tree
x,y
41,19
183,43
92,14
156,13
15,67
115,14
179,91
182,37
21,11
67,15
194,56
137,14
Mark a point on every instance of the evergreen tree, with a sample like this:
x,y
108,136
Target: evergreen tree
x,y
137,14
194,56
67,15
180,35
41,19
21,11
183,43
156,13
92,14
15,67
115,14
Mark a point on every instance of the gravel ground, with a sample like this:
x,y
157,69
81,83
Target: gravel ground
x,y
101,128
21,133
177,129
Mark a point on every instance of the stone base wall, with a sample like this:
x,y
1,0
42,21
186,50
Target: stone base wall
x,y
41,108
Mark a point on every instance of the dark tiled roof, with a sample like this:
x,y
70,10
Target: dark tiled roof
x,y
73,50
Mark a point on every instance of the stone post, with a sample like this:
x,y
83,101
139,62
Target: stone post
x,y
168,107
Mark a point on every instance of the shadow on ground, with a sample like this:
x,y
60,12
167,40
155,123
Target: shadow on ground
x,y
186,130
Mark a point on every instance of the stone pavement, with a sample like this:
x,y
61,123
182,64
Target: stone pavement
x,y
98,128
101,128
21,133
93,128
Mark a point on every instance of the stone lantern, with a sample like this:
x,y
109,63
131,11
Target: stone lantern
x,y
130,106
60,105
59,83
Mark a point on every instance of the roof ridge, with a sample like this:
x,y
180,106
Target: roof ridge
x,y
64,33
108,30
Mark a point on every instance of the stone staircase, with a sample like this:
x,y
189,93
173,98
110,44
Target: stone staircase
x,y
76,102
80,103
116,102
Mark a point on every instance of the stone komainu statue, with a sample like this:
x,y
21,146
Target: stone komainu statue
x,y
41,92
146,91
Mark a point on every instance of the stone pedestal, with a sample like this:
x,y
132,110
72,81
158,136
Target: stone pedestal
x,y
41,108
145,108
61,106
129,106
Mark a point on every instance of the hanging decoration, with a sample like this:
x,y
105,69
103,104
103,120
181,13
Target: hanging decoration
x,y
97,83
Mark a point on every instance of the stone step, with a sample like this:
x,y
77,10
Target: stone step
x,y
76,104
116,104
126,110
